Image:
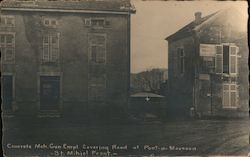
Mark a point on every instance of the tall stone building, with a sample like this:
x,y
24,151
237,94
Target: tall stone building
x,y
64,56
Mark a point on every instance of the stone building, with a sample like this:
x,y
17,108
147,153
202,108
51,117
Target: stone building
x,y
64,56
208,70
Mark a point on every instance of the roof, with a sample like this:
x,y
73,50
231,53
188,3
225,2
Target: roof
x,y
189,28
145,94
118,6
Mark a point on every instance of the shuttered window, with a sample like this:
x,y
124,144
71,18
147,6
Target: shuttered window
x,y
226,59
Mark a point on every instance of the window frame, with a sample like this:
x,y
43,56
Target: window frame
x,y
230,91
229,62
90,46
9,46
51,47
5,17
98,19
181,56
50,19
88,22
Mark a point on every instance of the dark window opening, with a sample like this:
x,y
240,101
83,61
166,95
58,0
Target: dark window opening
x,y
226,59
7,92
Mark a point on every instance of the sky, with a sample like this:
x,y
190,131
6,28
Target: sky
x,y
155,20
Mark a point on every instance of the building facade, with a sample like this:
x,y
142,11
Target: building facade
x,y
208,70
64,56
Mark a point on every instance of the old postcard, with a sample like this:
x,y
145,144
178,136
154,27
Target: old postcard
x,y
124,78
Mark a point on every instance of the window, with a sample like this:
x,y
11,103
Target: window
x,y
50,22
7,45
7,21
97,47
230,95
226,59
97,87
180,52
97,22
50,48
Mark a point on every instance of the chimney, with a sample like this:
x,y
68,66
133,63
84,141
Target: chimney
x,y
197,17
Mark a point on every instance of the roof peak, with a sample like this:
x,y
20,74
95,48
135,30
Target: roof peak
x,y
187,29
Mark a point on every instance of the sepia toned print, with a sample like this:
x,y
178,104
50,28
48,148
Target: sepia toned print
x,y
124,78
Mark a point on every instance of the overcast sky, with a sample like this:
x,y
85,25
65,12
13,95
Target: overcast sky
x,y
155,20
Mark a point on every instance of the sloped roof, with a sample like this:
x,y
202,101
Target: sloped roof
x,y
188,29
90,5
145,94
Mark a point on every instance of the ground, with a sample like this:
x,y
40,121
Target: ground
x,y
182,137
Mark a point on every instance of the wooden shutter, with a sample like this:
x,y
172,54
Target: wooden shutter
x,y
233,60
219,59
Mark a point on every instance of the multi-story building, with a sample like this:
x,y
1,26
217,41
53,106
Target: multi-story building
x,y
208,70
64,56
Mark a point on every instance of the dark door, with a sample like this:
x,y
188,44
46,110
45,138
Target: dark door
x,y
49,92
7,92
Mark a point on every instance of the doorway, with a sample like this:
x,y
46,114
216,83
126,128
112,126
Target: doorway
x,y
49,92
7,92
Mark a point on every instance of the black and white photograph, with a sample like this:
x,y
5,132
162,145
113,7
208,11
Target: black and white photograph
x,y
131,78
